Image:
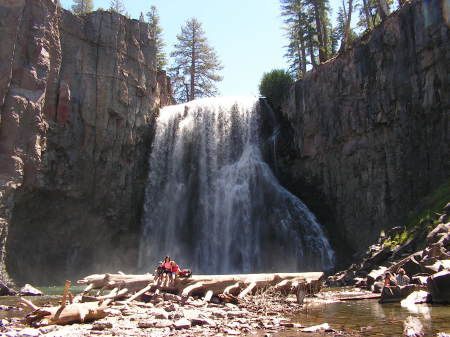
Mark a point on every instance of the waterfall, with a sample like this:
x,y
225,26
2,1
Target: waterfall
x,y
214,205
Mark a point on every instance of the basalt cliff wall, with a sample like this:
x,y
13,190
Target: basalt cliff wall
x,y
367,133
78,97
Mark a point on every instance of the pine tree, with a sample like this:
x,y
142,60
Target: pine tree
x,y
82,6
153,21
346,19
117,6
195,67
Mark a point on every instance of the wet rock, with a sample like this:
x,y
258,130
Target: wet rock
x,y
439,287
29,290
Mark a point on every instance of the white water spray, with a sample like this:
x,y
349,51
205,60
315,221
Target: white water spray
x,y
214,205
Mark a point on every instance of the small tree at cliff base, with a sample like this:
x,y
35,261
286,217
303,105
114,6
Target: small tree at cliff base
x,y
82,6
275,86
195,64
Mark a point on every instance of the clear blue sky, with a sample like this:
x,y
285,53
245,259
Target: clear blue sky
x,y
246,34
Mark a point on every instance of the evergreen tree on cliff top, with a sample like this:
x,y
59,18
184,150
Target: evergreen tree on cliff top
x,y
195,64
153,21
82,6
117,6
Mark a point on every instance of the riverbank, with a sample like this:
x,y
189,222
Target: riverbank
x,y
264,313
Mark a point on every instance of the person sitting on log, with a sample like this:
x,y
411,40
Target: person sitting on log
x,y
389,280
167,274
159,273
175,270
401,278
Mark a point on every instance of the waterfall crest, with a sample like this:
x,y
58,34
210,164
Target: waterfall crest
x,y
214,205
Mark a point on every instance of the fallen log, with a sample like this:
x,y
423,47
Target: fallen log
x,y
65,314
110,281
199,285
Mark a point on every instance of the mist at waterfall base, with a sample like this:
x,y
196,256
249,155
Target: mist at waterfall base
x,y
214,205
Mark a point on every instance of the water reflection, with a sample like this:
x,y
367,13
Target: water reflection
x,y
369,318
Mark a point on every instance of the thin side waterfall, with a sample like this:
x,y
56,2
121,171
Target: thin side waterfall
x,y
214,205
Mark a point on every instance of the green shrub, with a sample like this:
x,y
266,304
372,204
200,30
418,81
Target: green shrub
x,y
275,86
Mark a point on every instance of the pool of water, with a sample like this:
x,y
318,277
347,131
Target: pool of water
x,y
9,304
369,318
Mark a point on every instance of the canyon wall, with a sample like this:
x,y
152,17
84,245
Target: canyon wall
x,y
78,97
367,133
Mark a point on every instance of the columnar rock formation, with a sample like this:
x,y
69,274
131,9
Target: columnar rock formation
x,y
78,96
371,127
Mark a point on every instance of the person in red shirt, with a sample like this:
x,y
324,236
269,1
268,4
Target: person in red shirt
x,y
167,273
175,270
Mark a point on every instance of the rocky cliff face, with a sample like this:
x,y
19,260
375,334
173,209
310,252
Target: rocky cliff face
x,y
78,95
370,129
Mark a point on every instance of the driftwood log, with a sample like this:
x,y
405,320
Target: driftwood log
x,y
66,313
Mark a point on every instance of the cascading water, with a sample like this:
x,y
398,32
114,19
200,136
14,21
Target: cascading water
x,y
214,205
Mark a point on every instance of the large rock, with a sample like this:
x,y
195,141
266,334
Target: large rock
x,y
398,293
78,97
439,287
369,140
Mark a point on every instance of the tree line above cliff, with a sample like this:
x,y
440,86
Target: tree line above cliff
x,y
313,38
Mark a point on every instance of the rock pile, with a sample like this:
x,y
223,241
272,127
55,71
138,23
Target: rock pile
x,y
425,258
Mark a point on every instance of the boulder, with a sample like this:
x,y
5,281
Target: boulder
x,y
417,297
397,293
29,290
439,287
411,266
434,235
